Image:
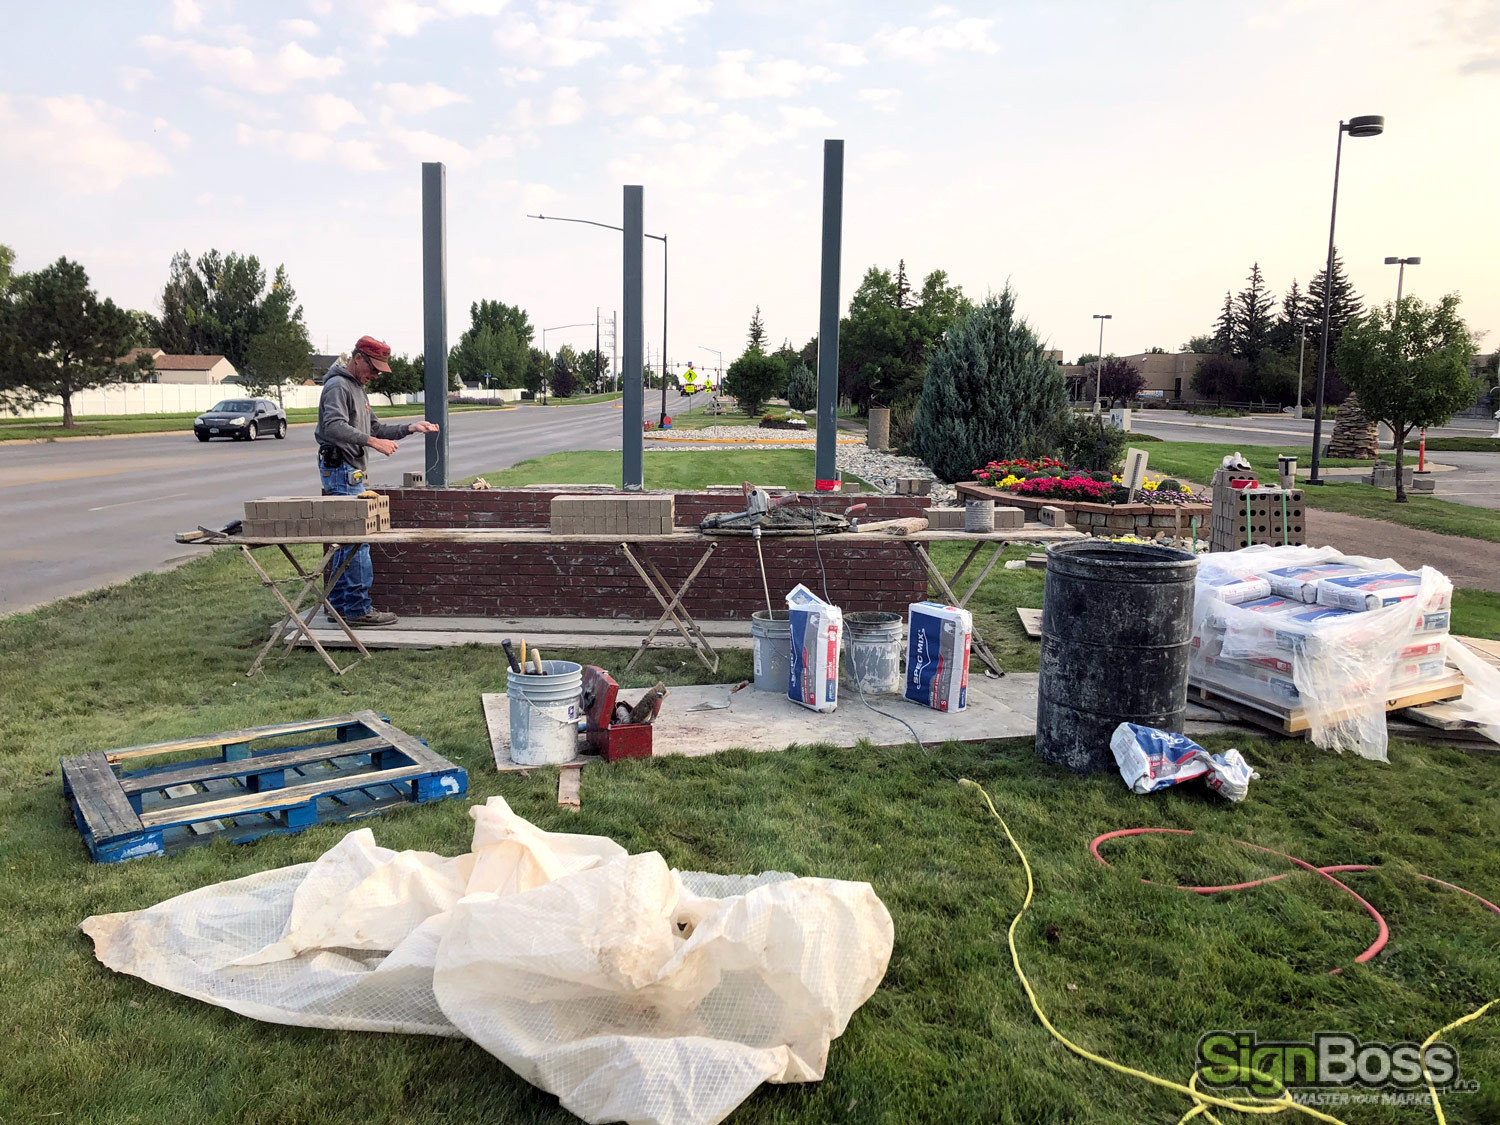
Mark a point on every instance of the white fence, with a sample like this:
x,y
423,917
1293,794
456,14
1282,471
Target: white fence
x,y
178,398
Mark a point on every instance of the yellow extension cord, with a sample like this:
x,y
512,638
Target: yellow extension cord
x,y
1201,1101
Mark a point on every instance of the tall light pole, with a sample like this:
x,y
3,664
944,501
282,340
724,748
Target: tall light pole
x,y
1367,126
1099,359
1401,274
663,240
1301,350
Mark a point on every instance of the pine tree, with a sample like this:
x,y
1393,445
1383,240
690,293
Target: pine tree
x,y
903,287
1344,304
757,331
1286,334
1254,314
1224,327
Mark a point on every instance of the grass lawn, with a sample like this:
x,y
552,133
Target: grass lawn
x,y
1197,460
698,418
1458,445
666,468
583,400
1136,973
101,425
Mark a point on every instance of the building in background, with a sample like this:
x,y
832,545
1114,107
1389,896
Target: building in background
x,y
1169,376
204,369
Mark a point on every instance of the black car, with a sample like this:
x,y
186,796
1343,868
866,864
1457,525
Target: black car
x,y
243,419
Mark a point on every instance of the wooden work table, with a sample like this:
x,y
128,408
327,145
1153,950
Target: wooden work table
x,y
1032,533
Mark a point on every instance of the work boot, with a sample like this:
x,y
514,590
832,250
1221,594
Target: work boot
x,y
370,620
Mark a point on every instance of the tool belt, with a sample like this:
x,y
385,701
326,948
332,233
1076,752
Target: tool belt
x,y
330,456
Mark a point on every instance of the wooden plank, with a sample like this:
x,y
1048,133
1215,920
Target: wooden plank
x,y
97,795
206,771
224,738
414,639
280,798
1031,621
413,747
569,789
1486,650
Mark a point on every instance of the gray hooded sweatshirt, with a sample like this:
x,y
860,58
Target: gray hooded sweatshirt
x,y
345,419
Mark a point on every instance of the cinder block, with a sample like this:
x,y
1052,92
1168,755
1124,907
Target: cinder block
x,y
414,480
945,519
1052,516
1008,517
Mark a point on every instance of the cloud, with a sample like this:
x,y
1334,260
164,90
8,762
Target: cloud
x,y
882,100
329,113
649,19
401,18
667,91
654,127
796,119
132,78
567,106
240,66
79,141
356,156
412,100
736,75
163,128
300,29
927,43
844,54
514,75
186,15
430,146
558,42
1474,26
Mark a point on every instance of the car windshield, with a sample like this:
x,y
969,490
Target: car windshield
x,y
234,406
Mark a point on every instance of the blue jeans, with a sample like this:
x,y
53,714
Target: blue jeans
x,y
351,593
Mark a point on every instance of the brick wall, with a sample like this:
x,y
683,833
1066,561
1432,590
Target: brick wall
x,y
585,580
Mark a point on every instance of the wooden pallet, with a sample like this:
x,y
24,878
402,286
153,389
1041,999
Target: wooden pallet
x,y
1295,721
243,793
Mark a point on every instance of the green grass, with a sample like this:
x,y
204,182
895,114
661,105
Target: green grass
x,y
103,425
1197,460
1459,445
698,418
682,469
1136,973
583,400
1476,613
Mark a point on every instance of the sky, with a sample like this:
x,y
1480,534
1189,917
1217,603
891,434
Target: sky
x,y
1123,157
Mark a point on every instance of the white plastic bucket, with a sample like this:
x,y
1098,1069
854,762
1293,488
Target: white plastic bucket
x,y
544,714
771,637
872,652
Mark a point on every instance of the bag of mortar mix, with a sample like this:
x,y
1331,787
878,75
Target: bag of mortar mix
x,y
1232,589
816,628
937,655
1151,759
1361,593
1301,582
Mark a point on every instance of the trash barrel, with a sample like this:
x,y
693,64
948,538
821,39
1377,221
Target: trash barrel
x,y
1117,626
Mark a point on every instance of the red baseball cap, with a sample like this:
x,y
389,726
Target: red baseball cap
x,y
378,352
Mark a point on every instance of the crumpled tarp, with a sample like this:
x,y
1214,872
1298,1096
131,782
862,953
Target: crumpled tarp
x,y
631,991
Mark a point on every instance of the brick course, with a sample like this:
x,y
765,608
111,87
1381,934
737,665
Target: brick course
x,y
595,580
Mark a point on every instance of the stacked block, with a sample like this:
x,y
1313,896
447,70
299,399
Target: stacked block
x,y
1008,518
945,519
1245,516
913,486
613,515
323,517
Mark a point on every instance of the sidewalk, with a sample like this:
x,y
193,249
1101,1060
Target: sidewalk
x,y
1473,563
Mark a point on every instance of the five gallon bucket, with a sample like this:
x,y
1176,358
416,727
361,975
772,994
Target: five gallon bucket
x,y
872,652
1117,625
544,714
771,636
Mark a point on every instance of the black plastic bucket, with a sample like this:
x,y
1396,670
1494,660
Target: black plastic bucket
x,y
1117,626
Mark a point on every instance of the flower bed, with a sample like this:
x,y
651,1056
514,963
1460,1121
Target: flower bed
x,y
1096,518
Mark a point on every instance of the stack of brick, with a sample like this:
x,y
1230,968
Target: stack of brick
x,y
1249,515
613,515
317,517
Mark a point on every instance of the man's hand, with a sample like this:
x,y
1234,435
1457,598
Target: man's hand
x,y
424,427
381,445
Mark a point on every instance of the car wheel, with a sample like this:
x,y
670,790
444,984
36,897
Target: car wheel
x,y
201,437
281,429
252,431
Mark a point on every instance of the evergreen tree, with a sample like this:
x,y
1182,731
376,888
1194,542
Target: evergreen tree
x,y
1344,303
903,287
1254,315
757,337
1224,336
991,392
801,387
1286,334
279,351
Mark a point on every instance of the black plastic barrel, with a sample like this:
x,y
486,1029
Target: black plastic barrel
x,y
1117,624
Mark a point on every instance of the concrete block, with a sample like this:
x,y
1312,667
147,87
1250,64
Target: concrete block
x,y
945,519
1052,516
414,480
1008,517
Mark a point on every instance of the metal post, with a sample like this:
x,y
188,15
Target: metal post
x,y
1301,351
614,348
1338,155
1099,365
826,465
663,420
635,338
598,378
435,317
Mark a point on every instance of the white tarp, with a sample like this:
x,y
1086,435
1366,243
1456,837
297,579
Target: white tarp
x,y
631,991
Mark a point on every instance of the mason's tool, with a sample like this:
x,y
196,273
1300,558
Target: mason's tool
x,y
536,658
728,698
510,654
650,705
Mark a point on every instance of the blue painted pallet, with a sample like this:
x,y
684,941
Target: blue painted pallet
x,y
243,793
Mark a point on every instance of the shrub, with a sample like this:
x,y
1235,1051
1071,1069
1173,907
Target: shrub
x,y
903,418
1085,442
991,392
1170,484
802,391
753,378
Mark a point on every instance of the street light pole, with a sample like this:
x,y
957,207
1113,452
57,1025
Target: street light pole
x,y
1401,275
1367,126
1099,359
1301,351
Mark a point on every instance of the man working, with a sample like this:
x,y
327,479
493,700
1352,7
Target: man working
x,y
347,427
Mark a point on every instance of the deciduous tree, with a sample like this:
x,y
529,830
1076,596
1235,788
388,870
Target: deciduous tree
x,y
1119,379
755,377
211,306
280,351
406,377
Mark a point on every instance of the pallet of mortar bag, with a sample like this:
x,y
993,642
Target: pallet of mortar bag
x,y
1244,516
642,514
278,517
1293,720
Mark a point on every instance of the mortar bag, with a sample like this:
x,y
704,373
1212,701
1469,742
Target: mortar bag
x,y
937,655
816,631
1151,759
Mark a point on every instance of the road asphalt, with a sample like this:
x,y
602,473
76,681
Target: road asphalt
x,y
80,514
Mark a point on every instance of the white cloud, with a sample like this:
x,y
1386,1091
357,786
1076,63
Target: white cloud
x,y
654,127
844,54
241,107
667,91
422,145
567,106
515,75
736,75
186,15
412,100
557,43
649,19
883,100
472,7
329,113
798,118
1474,25
879,159
242,67
401,18
164,128
132,78
312,147
300,29
927,43
78,140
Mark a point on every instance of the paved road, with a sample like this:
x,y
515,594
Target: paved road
x,y
1475,478
79,514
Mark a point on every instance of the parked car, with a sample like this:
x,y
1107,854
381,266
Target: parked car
x,y
243,419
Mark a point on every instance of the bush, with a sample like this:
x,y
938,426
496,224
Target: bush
x,y
1170,484
991,392
753,378
903,419
1101,476
802,390
1086,443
